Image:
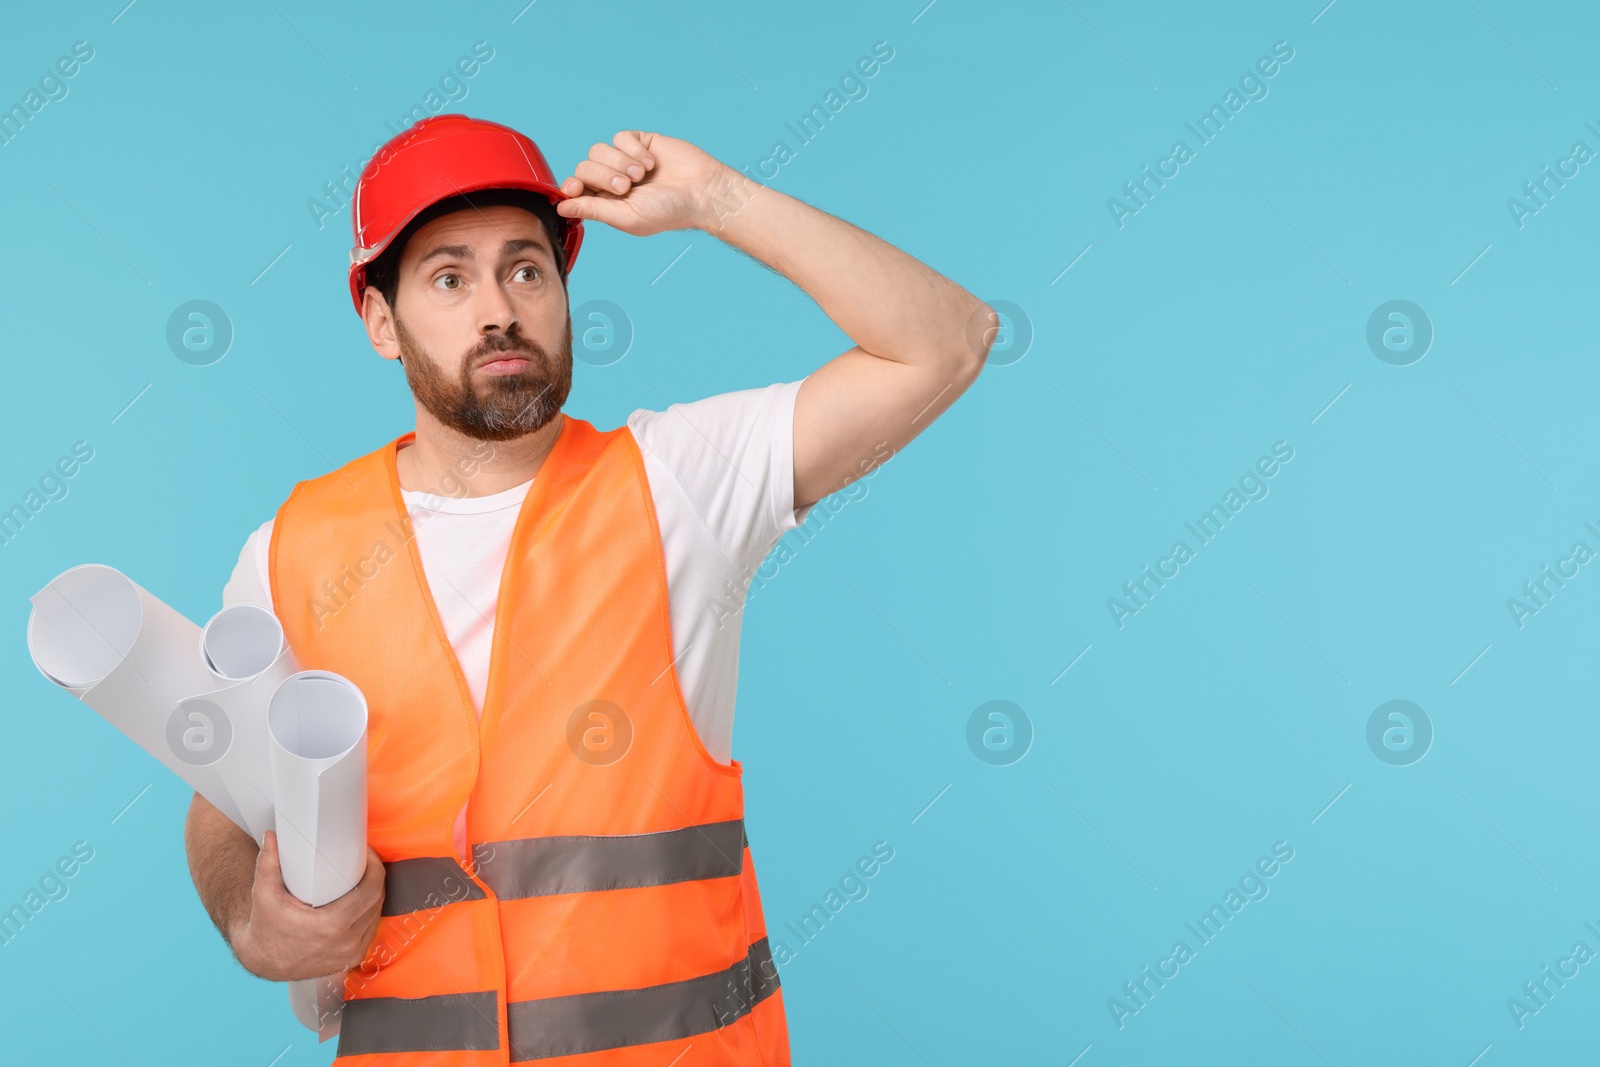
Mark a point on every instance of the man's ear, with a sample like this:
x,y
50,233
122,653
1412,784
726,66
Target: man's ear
x,y
379,320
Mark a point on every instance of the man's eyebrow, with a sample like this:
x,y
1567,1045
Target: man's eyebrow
x,y
520,244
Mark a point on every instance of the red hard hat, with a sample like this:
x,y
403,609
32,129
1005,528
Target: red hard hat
x,y
437,158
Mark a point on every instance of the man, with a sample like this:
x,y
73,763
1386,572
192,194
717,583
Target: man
x,y
536,611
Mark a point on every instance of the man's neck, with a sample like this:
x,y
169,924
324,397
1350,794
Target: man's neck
x,y
445,462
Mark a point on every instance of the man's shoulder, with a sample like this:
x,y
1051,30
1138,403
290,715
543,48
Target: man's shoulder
x,y
248,581
708,419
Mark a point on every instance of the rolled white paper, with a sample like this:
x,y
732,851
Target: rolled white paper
x,y
243,647
227,709
317,725
240,642
101,636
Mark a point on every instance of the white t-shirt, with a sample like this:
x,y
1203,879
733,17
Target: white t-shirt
x,y
721,474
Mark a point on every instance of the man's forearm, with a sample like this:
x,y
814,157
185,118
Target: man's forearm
x,y
273,934
222,860
886,301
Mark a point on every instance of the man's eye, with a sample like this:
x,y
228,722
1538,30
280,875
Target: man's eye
x,y
527,268
442,277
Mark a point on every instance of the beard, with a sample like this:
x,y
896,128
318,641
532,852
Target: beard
x,y
502,406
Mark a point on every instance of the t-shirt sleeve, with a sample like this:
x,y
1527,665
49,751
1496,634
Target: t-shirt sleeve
x,y
733,454
249,583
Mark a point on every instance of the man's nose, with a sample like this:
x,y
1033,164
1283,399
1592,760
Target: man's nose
x,y
495,310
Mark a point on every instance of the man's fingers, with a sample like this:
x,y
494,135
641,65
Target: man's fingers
x,y
368,933
618,160
633,143
372,879
370,893
268,866
598,176
366,896
597,208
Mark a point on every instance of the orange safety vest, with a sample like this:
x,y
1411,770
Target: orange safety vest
x,y
606,913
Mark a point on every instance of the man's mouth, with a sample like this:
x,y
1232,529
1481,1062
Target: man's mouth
x,y
505,365
509,361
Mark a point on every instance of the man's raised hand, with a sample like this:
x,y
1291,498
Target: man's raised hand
x,y
644,183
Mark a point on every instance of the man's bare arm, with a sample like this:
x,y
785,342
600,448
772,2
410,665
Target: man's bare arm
x,y
222,863
920,339
274,935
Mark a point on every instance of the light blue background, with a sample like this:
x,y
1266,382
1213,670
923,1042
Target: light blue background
x,y
1223,317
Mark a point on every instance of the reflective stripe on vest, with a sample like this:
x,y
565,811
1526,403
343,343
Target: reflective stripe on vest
x,y
561,1026
592,1022
545,866
426,882
452,1022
